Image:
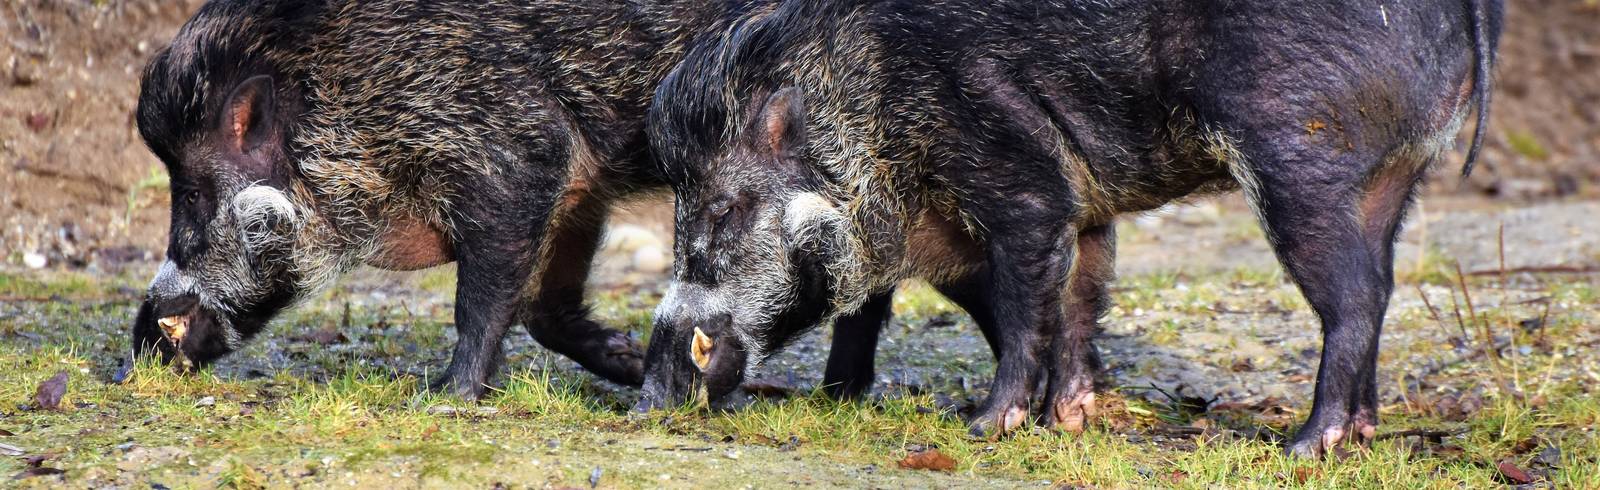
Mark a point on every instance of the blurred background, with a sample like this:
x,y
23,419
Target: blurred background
x,y
79,190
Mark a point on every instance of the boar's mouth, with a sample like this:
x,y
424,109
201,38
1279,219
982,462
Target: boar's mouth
x,y
188,338
175,328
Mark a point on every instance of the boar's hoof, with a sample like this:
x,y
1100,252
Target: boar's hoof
x,y
1366,433
449,385
1314,444
1072,415
1311,444
995,424
622,361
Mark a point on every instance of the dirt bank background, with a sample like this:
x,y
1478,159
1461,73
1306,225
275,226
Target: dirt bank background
x,y
78,188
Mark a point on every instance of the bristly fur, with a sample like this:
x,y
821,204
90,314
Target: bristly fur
x,y
1032,125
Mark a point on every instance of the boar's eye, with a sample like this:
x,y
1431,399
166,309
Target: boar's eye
x,y
730,214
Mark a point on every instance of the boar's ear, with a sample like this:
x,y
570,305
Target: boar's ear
x,y
247,119
783,121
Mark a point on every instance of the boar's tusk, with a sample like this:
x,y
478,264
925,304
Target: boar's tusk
x,y
700,349
175,328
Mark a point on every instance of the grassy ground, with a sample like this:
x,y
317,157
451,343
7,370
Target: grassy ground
x,y
331,397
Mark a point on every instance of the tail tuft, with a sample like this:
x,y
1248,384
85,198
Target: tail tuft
x,y
1484,60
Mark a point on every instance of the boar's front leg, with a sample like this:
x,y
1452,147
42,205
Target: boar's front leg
x,y
1027,271
855,337
497,230
855,343
557,317
1073,361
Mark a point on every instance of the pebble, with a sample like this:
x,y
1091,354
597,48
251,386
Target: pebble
x,y
649,258
10,450
34,260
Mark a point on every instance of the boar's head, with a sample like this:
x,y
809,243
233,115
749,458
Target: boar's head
x,y
756,246
241,243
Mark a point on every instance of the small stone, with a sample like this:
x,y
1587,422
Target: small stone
x,y
206,402
34,260
441,410
649,258
627,238
10,450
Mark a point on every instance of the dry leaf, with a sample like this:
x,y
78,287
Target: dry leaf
x,y
1306,473
37,460
39,471
50,392
1513,474
1527,445
930,459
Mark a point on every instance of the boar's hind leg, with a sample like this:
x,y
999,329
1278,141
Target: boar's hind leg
x,y
1385,198
1072,360
855,342
855,337
557,317
488,285
1331,220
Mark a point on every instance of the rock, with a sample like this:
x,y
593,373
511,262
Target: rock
x,y
649,258
34,260
442,410
628,238
141,459
10,450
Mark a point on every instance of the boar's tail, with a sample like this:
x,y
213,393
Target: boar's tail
x,y
1483,54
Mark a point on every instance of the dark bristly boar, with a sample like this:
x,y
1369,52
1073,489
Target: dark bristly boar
x,y
307,137
822,152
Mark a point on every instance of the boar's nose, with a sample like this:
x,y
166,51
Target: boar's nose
x,y
182,304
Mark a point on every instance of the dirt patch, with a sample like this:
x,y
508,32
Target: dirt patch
x,y
70,155
1544,130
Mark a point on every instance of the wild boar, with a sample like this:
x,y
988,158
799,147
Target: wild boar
x,y
824,151
307,137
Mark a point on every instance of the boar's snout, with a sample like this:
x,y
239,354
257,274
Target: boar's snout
x,y
695,355
175,327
